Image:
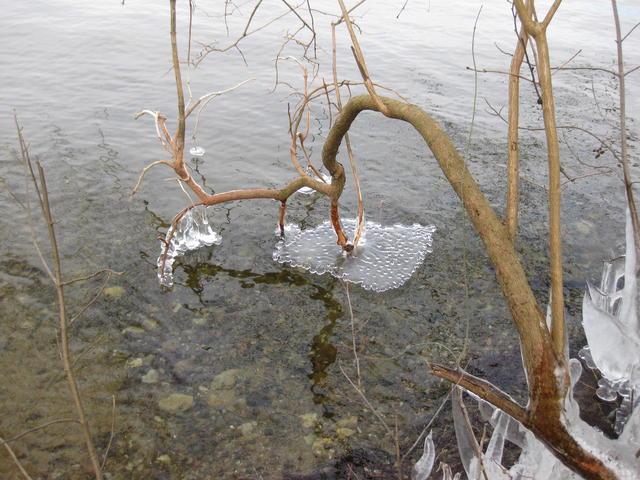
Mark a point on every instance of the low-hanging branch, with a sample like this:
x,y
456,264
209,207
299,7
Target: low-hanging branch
x,y
528,316
542,347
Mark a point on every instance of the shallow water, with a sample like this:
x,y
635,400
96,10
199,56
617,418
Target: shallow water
x,y
256,348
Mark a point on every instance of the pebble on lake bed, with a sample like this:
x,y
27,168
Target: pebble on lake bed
x,y
308,419
114,292
134,362
152,376
226,379
247,428
176,402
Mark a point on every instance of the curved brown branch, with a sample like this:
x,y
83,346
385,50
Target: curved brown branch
x,y
539,358
144,171
332,190
482,389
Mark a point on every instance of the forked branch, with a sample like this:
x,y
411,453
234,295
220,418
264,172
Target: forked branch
x,y
538,30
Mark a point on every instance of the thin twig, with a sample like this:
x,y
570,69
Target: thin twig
x,y
211,95
635,221
367,403
353,334
93,275
40,427
484,70
629,32
579,177
467,424
91,302
362,66
113,429
40,185
429,423
144,171
404,5
15,459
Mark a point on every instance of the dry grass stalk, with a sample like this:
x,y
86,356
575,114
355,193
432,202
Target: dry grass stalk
x,y
39,183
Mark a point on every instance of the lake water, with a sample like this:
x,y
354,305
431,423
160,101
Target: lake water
x,y
237,371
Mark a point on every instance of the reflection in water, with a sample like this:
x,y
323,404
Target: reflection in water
x,y
323,351
196,162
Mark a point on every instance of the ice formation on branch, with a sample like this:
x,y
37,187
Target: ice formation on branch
x,y
535,462
191,232
612,327
385,258
611,323
422,468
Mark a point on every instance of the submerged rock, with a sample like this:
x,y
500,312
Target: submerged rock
x,y
152,376
344,432
223,398
247,429
134,362
176,402
114,292
226,379
308,419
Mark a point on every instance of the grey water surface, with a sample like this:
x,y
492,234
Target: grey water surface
x,y
240,370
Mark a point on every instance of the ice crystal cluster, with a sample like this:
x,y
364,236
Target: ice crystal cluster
x,y
612,328
611,324
192,231
385,258
535,462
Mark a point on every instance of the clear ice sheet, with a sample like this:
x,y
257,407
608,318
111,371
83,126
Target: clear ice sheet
x,y
386,257
192,232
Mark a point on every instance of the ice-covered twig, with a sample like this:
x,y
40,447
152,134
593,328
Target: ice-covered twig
x,y
190,230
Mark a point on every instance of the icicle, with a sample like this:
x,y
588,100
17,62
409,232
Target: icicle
x,y
422,468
